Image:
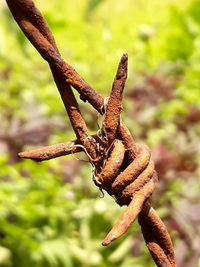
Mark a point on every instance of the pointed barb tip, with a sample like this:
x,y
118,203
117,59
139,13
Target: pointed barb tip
x,y
108,240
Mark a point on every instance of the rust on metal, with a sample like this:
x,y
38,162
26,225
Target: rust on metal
x,y
137,184
114,106
121,166
133,170
131,212
154,229
112,165
51,152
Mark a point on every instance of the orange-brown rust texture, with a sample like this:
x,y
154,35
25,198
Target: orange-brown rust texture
x,y
53,151
128,141
44,42
50,152
140,182
130,213
126,194
29,9
114,105
112,165
72,107
26,15
154,229
133,170
74,113
158,254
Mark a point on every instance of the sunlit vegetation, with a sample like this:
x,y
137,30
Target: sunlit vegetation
x,y
51,214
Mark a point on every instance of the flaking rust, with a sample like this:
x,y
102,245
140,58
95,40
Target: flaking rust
x,y
113,108
122,167
112,165
131,212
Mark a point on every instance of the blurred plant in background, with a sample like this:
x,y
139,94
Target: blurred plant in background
x,y
51,213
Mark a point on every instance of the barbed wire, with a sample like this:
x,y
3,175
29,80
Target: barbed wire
x,y
121,167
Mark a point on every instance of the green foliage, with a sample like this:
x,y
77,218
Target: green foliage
x,y
50,212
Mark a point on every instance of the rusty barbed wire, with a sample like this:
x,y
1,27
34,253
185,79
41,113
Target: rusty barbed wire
x,y
122,167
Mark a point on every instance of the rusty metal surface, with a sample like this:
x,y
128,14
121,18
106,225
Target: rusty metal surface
x,y
112,165
133,170
114,106
156,235
131,212
133,178
50,152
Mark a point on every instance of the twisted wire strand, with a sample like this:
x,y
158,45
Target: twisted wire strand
x,y
140,184
135,194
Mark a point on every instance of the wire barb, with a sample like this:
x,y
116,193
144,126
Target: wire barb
x,y
120,166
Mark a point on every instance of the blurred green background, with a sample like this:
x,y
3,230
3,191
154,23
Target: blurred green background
x,y
51,214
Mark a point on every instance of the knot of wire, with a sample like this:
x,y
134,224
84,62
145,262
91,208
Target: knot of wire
x,y
121,167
